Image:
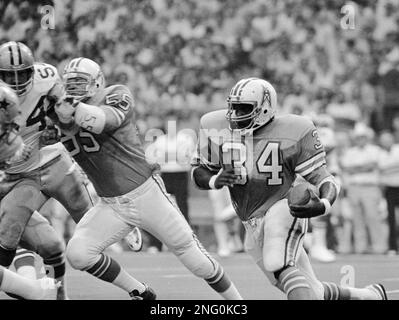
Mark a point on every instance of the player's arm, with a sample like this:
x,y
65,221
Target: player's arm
x,y
312,166
206,179
97,119
207,173
12,147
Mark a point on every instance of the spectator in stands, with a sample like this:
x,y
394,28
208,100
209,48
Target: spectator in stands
x,y
360,166
389,179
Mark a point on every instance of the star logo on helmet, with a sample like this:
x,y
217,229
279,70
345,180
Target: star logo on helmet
x,y
4,104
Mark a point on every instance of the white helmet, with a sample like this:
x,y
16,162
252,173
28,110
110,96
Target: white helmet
x,y
83,78
9,104
251,104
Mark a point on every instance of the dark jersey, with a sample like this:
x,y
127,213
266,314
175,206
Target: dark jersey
x,y
266,162
114,159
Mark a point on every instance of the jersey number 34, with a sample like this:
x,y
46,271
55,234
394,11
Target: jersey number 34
x,y
268,163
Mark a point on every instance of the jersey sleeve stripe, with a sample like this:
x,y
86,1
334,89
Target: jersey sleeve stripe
x,y
310,161
317,165
119,115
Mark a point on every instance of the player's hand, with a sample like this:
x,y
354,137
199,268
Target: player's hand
x,y
50,135
65,109
225,177
313,208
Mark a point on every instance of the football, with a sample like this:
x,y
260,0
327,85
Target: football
x,y
299,194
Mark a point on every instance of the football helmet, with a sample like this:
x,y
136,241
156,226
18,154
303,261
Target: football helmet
x,y
251,104
9,107
16,66
82,78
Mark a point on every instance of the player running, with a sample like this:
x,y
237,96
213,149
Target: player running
x,y
12,148
47,171
258,155
100,123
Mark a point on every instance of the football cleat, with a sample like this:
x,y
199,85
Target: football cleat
x,y
148,294
379,290
134,240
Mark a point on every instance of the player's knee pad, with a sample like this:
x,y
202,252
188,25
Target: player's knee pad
x,y
79,255
6,256
196,259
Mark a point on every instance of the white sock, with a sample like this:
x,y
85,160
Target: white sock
x,y
18,285
362,294
231,293
27,272
126,282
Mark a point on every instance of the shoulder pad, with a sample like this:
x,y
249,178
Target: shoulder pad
x,y
118,88
294,126
45,76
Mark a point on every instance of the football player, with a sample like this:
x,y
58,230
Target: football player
x,y
13,148
103,138
258,155
47,171
318,249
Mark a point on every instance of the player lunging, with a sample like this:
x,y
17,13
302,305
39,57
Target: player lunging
x,y
12,148
258,156
49,171
100,124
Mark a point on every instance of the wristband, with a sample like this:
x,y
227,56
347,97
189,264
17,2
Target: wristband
x,y
327,205
212,181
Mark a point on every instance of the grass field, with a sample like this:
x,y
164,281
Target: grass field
x,y
172,281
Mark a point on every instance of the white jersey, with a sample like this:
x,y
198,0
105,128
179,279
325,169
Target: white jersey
x,y
33,107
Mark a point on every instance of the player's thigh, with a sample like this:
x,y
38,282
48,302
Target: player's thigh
x,y
41,237
253,244
53,209
283,237
16,208
64,181
100,227
161,217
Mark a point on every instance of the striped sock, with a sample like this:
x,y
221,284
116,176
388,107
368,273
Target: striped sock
x,y
56,263
106,268
335,292
221,283
6,256
295,285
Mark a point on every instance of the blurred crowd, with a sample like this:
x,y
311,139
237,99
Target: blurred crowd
x,y
182,57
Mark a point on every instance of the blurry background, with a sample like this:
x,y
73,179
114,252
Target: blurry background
x,y
181,58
